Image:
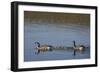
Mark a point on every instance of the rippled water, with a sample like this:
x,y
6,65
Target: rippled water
x,y
56,35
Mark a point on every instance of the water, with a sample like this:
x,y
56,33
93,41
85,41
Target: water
x,y
55,34
61,35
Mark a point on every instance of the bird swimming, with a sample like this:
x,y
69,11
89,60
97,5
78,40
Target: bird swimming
x,y
78,47
43,48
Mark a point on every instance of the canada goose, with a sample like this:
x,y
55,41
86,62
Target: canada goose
x,y
78,47
42,48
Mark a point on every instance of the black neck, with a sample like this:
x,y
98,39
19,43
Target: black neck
x,y
74,44
38,44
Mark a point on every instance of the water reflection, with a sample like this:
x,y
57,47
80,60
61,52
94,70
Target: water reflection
x,y
48,31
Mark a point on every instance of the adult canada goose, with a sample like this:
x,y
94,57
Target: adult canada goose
x,y
42,48
78,47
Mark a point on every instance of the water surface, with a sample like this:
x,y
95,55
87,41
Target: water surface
x,y
55,32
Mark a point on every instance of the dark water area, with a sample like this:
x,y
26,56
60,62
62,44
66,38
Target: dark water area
x,y
56,33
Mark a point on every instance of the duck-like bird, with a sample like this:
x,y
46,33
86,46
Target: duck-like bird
x,y
42,48
78,47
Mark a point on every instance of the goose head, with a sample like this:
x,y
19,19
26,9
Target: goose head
x,y
37,44
74,43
